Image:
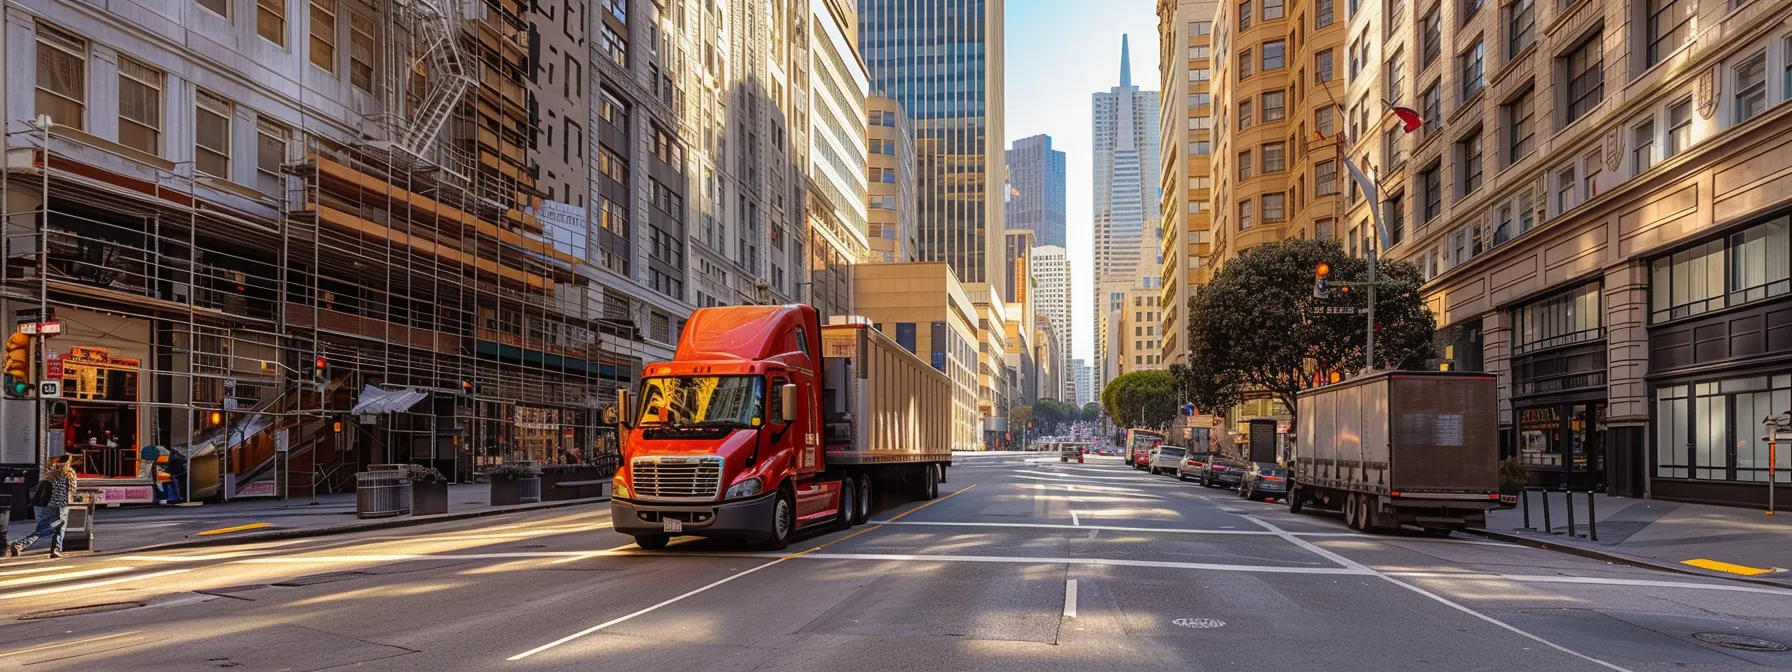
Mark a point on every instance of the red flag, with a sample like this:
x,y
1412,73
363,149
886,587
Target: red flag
x,y
1409,118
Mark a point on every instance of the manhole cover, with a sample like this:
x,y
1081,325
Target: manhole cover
x,y
1199,623
1743,642
77,611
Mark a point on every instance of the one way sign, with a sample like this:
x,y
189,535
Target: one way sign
x,y
49,389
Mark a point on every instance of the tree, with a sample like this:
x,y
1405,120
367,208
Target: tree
x,y
1050,415
1018,417
1255,327
1091,412
1141,399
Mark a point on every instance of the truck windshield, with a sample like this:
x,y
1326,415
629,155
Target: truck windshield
x,y
702,401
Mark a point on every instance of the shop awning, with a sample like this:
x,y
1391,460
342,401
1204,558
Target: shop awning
x,y
375,400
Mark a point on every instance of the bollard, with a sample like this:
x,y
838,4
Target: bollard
x,y
1568,498
1547,526
1524,504
1592,522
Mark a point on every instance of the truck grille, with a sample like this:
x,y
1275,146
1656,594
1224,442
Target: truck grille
x,y
687,478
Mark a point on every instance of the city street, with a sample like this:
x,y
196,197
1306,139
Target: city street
x,y
1023,564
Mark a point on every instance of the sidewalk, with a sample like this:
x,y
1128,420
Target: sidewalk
x,y
1722,541
125,528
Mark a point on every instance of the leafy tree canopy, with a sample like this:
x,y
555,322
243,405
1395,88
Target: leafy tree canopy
x,y
1141,399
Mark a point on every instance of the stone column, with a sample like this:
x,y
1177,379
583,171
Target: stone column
x,y
1626,303
1496,355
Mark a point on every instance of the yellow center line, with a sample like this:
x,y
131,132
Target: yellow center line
x,y
1717,566
238,528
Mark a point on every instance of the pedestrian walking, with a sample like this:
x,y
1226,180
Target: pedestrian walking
x,y
54,492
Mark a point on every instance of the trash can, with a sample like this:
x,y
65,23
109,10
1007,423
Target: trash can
x,y
530,488
77,535
382,494
5,516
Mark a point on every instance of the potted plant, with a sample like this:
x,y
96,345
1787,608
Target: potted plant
x,y
553,474
1512,481
514,484
429,490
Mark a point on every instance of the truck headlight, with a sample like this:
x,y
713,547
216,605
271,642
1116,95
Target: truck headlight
x,y
746,488
618,488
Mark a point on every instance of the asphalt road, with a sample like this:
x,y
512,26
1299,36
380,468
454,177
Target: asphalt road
x,y
1025,565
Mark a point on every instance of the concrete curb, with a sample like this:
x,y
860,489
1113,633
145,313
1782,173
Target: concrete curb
x,y
1620,559
346,528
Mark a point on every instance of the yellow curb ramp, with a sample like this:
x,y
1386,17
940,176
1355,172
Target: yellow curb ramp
x,y
238,528
1717,566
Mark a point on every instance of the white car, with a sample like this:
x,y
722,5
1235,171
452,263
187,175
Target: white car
x,y
1165,459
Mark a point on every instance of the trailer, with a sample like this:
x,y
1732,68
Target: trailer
x,y
1414,450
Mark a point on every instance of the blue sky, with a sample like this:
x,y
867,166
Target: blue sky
x,y
1059,52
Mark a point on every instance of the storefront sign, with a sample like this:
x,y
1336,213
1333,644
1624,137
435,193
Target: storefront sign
x,y
1544,417
123,494
53,366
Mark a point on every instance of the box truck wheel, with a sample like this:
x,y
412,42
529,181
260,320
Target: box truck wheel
x,y
783,522
652,542
849,501
1350,513
927,486
861,510
1295,499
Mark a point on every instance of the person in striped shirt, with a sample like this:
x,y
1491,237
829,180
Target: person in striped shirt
x,y
52,519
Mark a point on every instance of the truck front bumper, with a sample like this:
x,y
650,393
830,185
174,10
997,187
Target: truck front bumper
x,y
743,519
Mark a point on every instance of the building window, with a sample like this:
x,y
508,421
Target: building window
x,y
1274,105
1274,54
1473,73
1571,317
61,77
1324,121
1272,9
1274,157
1431,181
614,47
270,20
1245,116
1325,178
1200,100
211,134
610,165
1592,167
219,7
1323,14
1679,128
1585,66
1669,26
1393,150
1322,66
140,106
1433,111
1200,75
323,34
1521,26
1470,7
270,152
1696,422
1244,15
1394,211
1527,211
1324,229
1521,131
1274,206
1565,190
1431,45
1200,28
1244,165
1740,268
1200,52
1244,214
1200,147
1751,87
1245,63
361,41
1642,147
1468,152
1356,59
1396,78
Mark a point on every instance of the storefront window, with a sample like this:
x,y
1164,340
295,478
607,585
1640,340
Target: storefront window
x,y
1743,267
1712,430
1562,319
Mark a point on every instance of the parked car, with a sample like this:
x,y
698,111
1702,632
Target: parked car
x,y
1223,471
1192,465
1069,452
1165,459
1264,480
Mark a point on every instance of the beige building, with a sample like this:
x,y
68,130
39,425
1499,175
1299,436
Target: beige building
x,y
1598,198
992,367
1139,340
1048,361
1185,35
891,151
922,307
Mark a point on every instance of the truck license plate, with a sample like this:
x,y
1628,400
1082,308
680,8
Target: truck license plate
x,y
671,525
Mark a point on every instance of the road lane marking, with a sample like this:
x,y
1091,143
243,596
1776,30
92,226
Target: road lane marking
x,y
1354,565
1113,562
1070,598
1117,528
621,619
582,556
59,645
52,578
1646,583
899,516
1074,522
1719,566
235,528
34,570
90,584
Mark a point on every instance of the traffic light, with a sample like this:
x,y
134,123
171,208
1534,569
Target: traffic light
x,y
18,366
320,370
1319,282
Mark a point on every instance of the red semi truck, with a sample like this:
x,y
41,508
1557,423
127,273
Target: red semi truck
x,y
766,423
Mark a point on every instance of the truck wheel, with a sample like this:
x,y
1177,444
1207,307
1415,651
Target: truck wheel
x,y
1295,500
930,482
862,508
783,522
1350,518
849,501
1363,520
651,542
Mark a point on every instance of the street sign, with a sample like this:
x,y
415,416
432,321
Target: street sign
x,y
281,441
53,366
49,389
1337,310
50,328
230,403
35,314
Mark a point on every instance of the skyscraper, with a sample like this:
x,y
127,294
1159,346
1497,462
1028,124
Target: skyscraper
x,y
1185,27
1051,300
1126,204
1036,189
942,59
1084,382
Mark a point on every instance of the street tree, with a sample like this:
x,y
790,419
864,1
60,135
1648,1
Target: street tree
x,y
1018,417
1141,399
1091,412
1050,415
1257,328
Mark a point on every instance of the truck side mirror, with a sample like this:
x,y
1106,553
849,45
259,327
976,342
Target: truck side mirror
x,y
787,402
620,414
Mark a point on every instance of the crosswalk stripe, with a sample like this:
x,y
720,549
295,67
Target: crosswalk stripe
x,y
90,584
52,578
